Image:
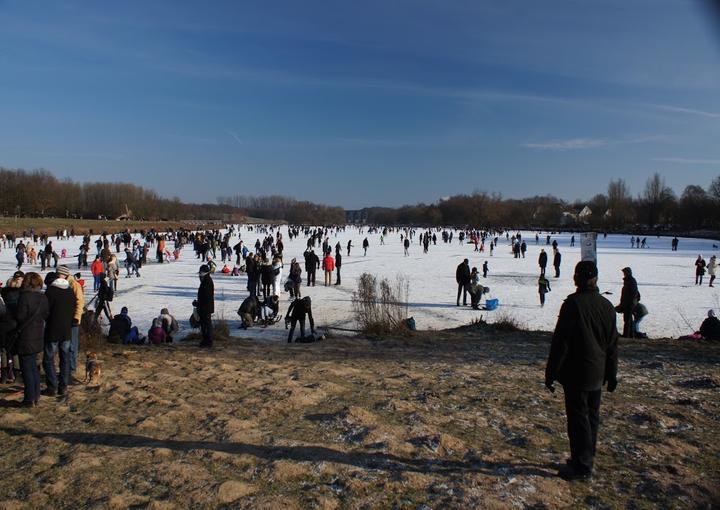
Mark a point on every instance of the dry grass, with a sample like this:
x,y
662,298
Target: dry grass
x,y
437,420
51,225
506,323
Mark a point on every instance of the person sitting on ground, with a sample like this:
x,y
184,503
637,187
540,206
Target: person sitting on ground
x,y
122,330
710,327
639,313
269,310
225,269
299,308
169,324
248,311
156,334
476,289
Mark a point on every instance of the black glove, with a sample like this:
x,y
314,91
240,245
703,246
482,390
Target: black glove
x,y
75,322
549,385
194,303
611,385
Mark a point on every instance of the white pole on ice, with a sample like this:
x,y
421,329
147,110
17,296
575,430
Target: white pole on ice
x,y
588,246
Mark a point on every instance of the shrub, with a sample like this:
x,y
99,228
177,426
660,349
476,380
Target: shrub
x,y
381,307
506,322
91,335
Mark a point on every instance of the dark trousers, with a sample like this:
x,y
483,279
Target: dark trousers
x,y
311,278
582,409
252,287
74,348
557,271
51,376
337,270
542,270
628,325
293,322
206,328
542,299
31,377
462,289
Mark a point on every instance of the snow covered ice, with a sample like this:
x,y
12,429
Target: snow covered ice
x,y
665,279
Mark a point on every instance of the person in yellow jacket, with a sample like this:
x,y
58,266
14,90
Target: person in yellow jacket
x,y
77,317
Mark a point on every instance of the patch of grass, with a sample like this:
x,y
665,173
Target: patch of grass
x,y
91,335
507,324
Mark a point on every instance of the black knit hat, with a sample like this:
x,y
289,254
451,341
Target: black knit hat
x,y
586,270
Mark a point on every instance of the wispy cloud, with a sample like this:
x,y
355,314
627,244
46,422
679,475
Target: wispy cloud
x,y
686,111
568,145
592,143
234,135
689,161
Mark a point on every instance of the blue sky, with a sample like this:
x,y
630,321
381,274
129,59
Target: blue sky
x,y
362,103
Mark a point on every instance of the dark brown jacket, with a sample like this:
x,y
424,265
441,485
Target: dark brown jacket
x,y
583,353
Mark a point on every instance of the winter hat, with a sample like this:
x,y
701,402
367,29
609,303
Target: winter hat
x,y
63,271
627,271
18,274
586,270
204,270
124,310
164,311
711,313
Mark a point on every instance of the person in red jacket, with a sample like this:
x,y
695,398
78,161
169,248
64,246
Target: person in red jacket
x,y
329,267
97,268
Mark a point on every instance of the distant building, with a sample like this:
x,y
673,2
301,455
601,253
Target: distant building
x,y
358,217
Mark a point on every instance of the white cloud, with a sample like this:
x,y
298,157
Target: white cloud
x,y
687,111
592,143
689,161
568,145
234,135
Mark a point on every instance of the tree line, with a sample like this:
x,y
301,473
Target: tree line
x,y
655,208
38,193
276,207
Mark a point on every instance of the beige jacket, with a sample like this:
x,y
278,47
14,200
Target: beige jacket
x,y
79,298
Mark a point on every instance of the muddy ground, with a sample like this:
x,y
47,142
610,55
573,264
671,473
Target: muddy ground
x,y
455,419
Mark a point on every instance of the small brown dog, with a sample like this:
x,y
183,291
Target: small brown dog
x,y
92,369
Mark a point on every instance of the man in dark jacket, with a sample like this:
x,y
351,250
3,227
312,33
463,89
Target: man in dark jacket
x,y
58,332
629,298
338,263
710,327
31,312
557,258
205,304
297,312
583,356
462,277
312,263
249,311
542,262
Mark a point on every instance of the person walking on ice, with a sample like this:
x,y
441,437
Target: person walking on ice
x,y
543,288
699,270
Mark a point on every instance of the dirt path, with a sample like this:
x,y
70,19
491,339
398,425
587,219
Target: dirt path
x,y
449,419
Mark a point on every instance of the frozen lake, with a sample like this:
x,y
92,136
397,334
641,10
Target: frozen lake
x,y
665,279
